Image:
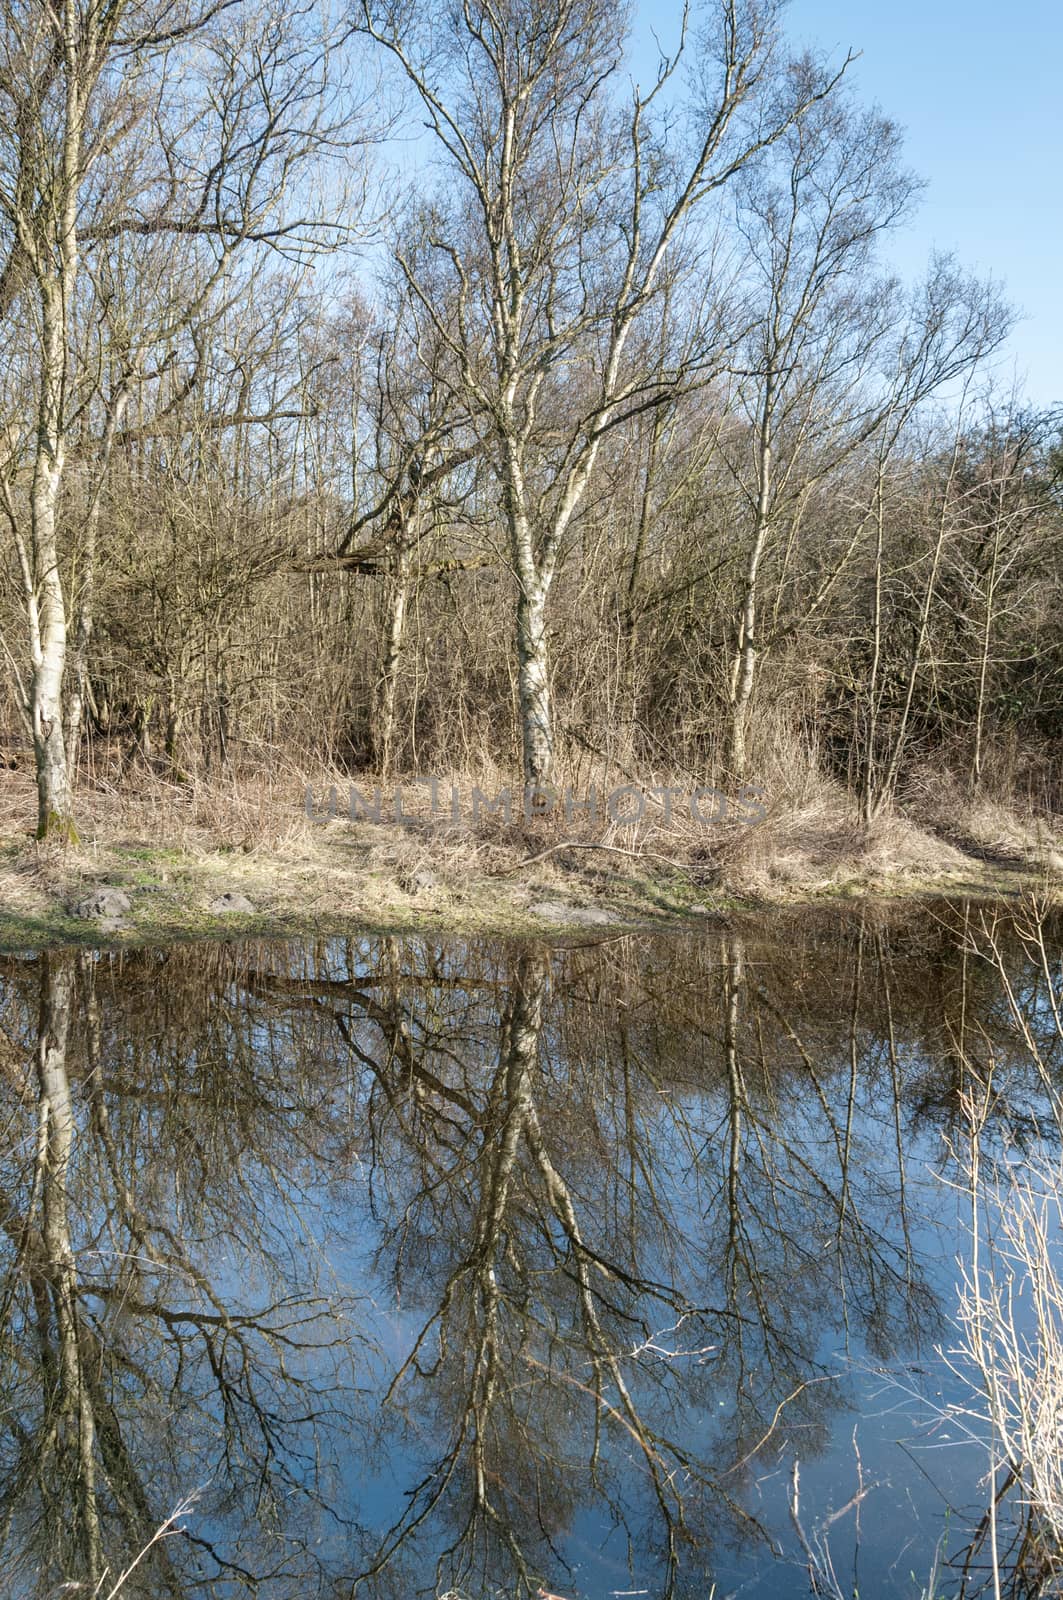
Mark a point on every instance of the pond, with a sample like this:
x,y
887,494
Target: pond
x,y
396,1267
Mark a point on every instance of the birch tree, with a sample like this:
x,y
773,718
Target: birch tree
x,y
563,214
837,362
821,318
119,122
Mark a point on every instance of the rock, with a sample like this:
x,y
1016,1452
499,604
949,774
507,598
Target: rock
x,y
594,916
419,881
104,903
581,916
549,910
712,913
231,904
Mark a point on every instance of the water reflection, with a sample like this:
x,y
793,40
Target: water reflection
x,y
428,1267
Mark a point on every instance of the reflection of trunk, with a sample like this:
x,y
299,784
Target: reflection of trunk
x,y
734,975
510,1112
855,1038
72,1399
885,985
511,1102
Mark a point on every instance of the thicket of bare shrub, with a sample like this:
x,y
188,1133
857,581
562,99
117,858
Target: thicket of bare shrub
x,y
622,448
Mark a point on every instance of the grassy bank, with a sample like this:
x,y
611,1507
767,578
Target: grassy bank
x,y
174,850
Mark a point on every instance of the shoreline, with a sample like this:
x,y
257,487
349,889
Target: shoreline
x,y
304,880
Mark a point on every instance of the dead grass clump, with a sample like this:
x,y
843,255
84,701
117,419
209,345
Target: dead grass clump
x,y
895,846
813,843
1008,1352
983,825
1010,1319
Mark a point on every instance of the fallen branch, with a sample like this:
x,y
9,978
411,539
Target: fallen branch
x,y
613,849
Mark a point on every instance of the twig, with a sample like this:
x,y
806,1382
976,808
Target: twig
x,y
162,1532
614,849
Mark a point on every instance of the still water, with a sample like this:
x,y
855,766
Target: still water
x,y
411,1267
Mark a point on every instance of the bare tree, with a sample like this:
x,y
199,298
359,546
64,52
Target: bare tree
x,y
121,123
820,318
565,211
837,362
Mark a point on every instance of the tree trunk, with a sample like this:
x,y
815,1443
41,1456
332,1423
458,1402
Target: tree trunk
x,y
533,576
79,663
744,667
45,602
629,619
743,673
915,663
175,724
537,734
869,776
983,663
383,733
54,803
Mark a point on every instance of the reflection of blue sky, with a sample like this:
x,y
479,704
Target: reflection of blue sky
x,y
917,1464
319,1228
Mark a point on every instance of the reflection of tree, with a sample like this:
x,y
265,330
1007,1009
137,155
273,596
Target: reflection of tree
x,y
655,1163
45,1254
625,1201
135,1364
521,1360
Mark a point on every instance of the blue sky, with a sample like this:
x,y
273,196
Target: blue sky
x,y
978,87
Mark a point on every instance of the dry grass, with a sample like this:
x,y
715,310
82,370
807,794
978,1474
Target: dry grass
x,y
1010,1318
1008,1352
1011,1303
248,832
822,845
985,824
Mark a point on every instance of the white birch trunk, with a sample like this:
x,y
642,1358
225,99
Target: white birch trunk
x,y
533,668
54,809
744,667
395,629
